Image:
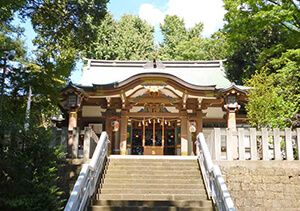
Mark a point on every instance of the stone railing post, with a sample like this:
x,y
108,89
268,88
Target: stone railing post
x,y
288,144
298,142
277,150
241,144
265,143
75,137
253,144
87,143
217,144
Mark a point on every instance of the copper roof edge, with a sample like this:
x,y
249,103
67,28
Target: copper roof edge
x,y
142,63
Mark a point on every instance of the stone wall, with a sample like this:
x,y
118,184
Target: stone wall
x,y
68,175
263,185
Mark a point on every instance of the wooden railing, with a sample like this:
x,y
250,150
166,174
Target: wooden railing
x,y
252,144
213,180
86,183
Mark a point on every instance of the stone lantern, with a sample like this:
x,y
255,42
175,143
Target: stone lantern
x,y
231,107
72,98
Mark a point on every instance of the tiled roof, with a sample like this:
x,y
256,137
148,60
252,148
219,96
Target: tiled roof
x,y
199,73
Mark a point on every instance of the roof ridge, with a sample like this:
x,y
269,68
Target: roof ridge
x,y
142,63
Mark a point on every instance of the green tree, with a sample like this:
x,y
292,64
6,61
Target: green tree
x,y
28,166
215,47
64,29
180,43
174,32
258,31
275,98
263,51
28,178
130,38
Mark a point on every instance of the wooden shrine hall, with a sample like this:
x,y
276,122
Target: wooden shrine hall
x,y
152,108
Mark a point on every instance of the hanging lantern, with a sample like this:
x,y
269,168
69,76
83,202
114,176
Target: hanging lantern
x,y
116,126
73,100
231,99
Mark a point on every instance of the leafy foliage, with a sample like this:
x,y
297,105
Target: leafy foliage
x,y
180,43
64,29
256,32
263,51
28,166
130,38
28,179
275,98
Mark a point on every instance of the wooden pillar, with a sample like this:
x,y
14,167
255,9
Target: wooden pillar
x,y
116,139
108,129
153,132
123,142
163,132
144,133
72,135
199,121
184,138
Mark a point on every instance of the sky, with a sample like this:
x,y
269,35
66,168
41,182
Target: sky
x,y
209,12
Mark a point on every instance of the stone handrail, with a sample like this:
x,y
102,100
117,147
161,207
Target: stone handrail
x,y
90,142
89,175
249,143
214,182
94,136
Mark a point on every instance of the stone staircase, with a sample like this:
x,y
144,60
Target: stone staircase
x,y
152,183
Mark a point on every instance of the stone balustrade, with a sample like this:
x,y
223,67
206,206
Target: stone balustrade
x,y
252,144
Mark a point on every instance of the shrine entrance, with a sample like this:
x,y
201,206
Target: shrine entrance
x,y
154,136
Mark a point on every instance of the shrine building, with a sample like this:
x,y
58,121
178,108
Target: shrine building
x,y
152,108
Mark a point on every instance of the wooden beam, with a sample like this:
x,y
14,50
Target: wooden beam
x,y
150,114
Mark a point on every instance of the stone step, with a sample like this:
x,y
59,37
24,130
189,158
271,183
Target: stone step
x,y
150,168
143,208
179,203
153,181
151,164
153,168
153,161
154,186
156,197
154,172
147,176
152,191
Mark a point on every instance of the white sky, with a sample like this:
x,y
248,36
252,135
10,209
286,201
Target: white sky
x,y
209,12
